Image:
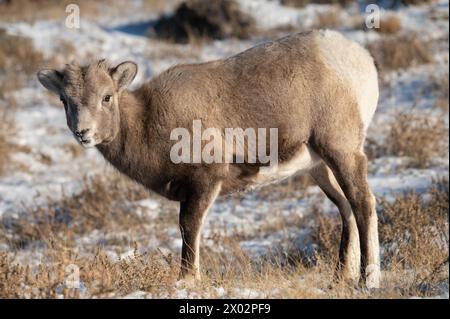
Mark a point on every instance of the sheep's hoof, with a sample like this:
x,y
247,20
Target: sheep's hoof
x,y
373,275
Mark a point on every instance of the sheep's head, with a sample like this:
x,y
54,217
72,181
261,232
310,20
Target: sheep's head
x,y
90,95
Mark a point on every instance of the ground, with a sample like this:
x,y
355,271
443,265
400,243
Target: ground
x,y
70,226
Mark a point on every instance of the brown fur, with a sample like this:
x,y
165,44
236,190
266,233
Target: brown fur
x,y
285,84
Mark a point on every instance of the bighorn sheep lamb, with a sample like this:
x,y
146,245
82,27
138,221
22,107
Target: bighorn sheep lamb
x,y
318,89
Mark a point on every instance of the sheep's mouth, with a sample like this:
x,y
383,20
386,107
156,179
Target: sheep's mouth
x,y
86,142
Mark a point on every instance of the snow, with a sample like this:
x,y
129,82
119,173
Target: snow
x,y
42,126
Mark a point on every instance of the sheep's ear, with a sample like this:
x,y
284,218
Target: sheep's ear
x,y
51,79
124,74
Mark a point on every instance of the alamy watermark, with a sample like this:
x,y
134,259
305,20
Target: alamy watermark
x,y
373,16
229,145
73,16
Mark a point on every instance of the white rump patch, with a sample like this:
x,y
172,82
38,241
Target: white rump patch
x,y
355,65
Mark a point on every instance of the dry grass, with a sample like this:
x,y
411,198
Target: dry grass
x,y
7,128
303,3
18,54
400,52
390,24
33,10
97,207
414,2
413,233
420,136
442,89
18,61
196,21
410,229
329,19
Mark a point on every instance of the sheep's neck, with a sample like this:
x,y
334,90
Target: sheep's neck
x,y
128,145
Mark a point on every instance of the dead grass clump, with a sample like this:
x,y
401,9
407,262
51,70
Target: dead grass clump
x,y
400,52
303,3
18,54
66,274
391,24
327,236
418,136
6,132
196,20
414,236
414,2
414,232
329,19
100,205
442,87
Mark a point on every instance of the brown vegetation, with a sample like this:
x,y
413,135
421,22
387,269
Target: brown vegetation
x,y
97,207
196,20
390,24
302,3
18,54
32,10
329,19
413,232
400,52
18,61
6,131
420,136
442,89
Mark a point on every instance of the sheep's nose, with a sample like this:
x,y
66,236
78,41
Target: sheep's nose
x,y
81,133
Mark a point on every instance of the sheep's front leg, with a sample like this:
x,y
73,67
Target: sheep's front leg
x,y
192,213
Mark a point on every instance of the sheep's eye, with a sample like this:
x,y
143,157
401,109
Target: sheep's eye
x,y
107,98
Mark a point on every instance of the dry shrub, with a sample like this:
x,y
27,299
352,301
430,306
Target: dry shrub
x,y
417,135
277,32
442,87
273,276
6,132
99,276
100,205
18,54
303,3
327,236
151,272
414,233
390,24
156,273
400,52
414,236
414,2
204,20
329,19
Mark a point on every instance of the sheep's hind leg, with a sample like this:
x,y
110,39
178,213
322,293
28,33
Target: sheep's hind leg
x,y
348,267
192,213
350,169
